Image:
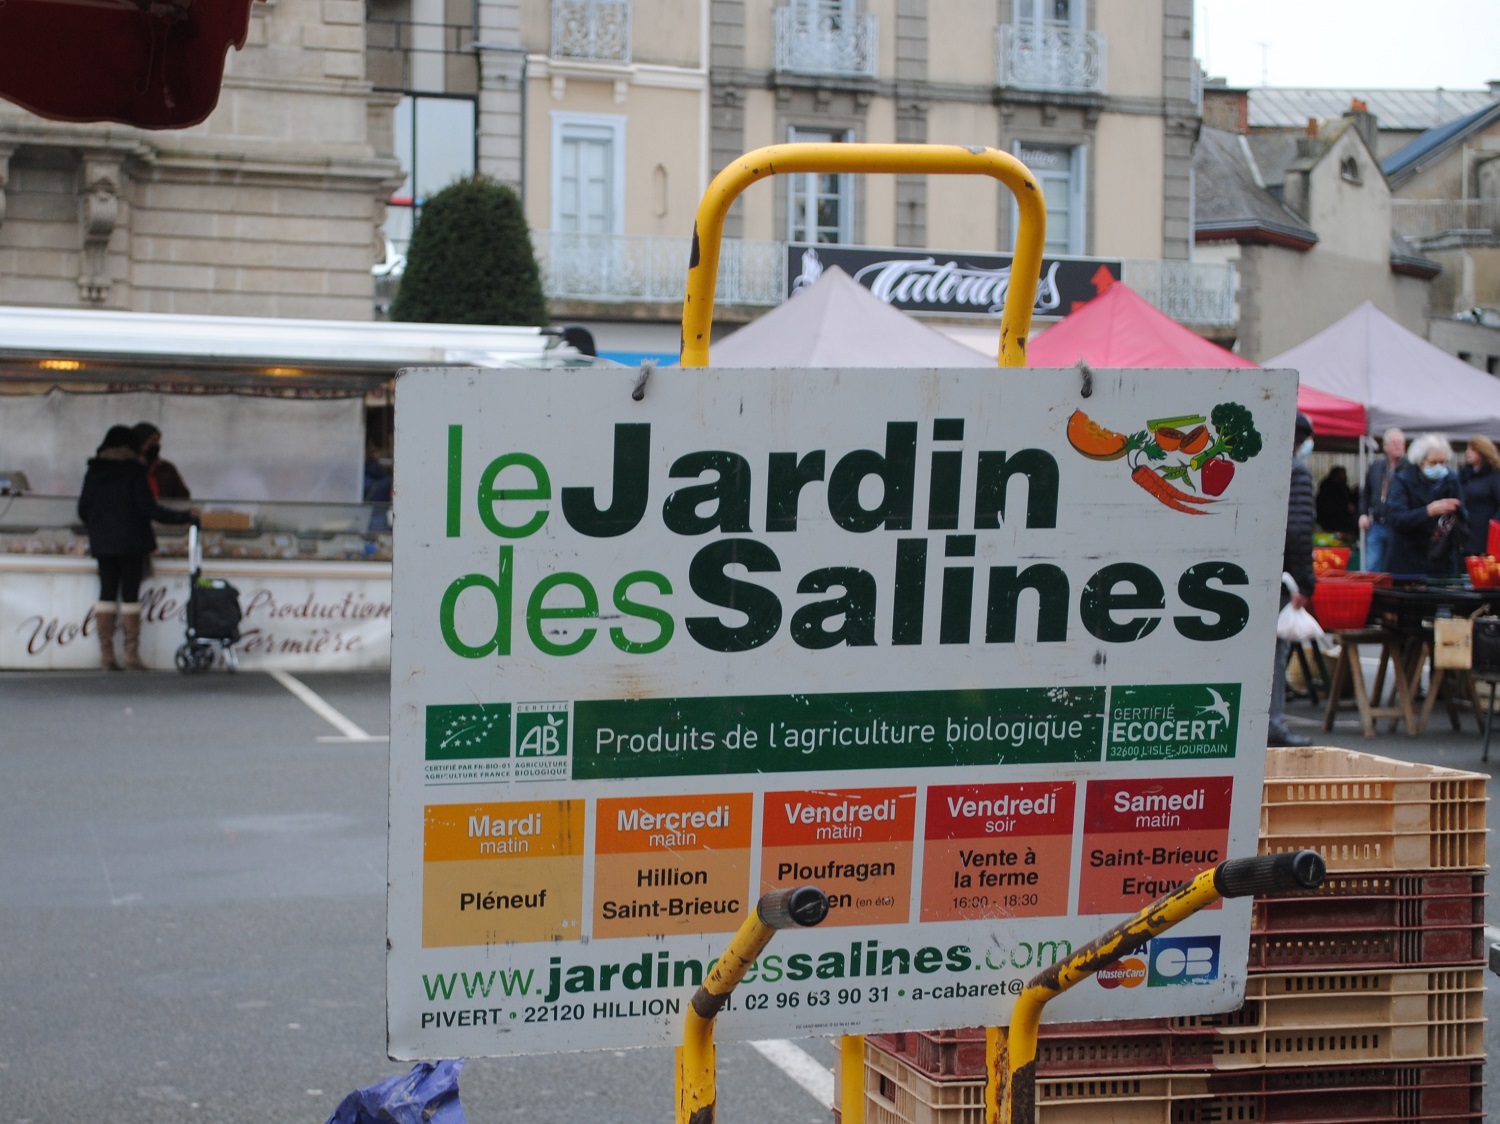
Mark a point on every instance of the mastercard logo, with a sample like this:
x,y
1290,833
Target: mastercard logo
x,y
1130,972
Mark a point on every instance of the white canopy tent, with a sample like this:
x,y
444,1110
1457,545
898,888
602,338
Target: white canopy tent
x,y
250,408
837,322
1399,378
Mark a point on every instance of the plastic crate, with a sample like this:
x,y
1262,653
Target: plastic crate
x,y
1319,1094
1377,920
1363,812
897,1093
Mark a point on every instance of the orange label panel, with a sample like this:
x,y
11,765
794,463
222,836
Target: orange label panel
x,y
640,824
523,829
487,902
866,883
868,815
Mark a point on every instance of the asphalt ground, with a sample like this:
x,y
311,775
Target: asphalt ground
x,y
192,913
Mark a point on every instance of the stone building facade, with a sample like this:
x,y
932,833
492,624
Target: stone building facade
x,y
271,207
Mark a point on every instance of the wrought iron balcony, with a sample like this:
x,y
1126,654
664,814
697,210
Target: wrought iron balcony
x,y
1189,292
628,268
1051,59
651,269
808,42
1424,220
598,30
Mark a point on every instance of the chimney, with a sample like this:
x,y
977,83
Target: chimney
x,y
1225,107
1364,122
1494,85
1308,142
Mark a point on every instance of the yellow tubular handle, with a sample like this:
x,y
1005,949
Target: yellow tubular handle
x,y
1010,1093
1010,1055
708,229
697,1066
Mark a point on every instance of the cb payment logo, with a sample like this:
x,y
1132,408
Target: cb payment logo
x,y
1173,962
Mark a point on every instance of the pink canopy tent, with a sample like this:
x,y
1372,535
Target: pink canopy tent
x,y
1119,328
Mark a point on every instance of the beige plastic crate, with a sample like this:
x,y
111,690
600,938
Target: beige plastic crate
x,y
1364,812
898,1093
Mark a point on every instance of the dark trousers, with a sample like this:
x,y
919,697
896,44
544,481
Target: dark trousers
x,y
120,576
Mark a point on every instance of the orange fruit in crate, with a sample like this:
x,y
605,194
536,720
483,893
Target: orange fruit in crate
x,y
1093,440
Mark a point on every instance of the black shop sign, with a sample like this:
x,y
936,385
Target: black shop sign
x,y
946,282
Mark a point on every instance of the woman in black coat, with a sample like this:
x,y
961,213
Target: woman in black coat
x,y
1479,479
1425,513
117,507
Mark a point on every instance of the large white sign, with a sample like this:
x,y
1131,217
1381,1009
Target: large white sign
x,y
298,616
986,660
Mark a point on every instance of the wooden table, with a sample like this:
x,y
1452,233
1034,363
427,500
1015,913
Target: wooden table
x,y
1399,653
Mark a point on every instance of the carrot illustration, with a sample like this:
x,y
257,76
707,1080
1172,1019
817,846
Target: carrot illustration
x,y
1175,498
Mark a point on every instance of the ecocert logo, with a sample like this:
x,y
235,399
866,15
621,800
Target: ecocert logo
x,y
543,741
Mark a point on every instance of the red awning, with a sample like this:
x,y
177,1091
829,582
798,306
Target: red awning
x,y
1119,328
156,64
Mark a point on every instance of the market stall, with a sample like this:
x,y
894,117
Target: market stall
x,y
1119,328
269,422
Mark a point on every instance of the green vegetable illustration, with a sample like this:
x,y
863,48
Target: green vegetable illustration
x,y
1236,435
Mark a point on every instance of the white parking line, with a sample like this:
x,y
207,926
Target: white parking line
x,y
348,731
800,1066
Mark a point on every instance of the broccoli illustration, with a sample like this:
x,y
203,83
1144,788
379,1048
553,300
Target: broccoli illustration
x,y
1236,435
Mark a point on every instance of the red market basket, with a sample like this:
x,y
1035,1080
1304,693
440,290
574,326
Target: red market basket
x,y
1329,558
1484,571
1342,604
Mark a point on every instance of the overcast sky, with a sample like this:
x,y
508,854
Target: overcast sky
x,y
1373,44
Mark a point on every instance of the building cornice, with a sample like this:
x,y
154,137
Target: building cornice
x,y
1249,232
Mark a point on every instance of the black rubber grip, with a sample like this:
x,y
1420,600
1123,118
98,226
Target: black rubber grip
x,y
801,907
1265,874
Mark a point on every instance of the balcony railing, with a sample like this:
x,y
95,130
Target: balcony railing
x,y
1187,291
1422,219
808,42
430,57
649,268
1052,59
631,268
598,30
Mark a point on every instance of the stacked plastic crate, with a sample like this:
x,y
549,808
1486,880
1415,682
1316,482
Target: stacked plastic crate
x,y
1365,998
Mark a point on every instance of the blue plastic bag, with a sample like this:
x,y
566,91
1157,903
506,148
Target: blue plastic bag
x,y
426,1095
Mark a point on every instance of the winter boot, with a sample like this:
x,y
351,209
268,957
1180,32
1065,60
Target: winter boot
x,y
130,625
104,625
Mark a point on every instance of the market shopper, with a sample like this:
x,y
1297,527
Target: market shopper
x,y
117,508
1479,488
1296,560
1374,497
1429,527
1338,504
166,482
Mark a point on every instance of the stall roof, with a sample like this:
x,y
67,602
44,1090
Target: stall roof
x,y
64,346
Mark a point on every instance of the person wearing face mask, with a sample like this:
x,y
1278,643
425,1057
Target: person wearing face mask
x,y
1429,527
1479,477
1296,560
166,482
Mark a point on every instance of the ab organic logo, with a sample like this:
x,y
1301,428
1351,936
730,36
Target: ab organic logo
x,y
543,741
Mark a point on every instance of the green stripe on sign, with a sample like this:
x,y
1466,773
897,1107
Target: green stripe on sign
x,y
623,738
